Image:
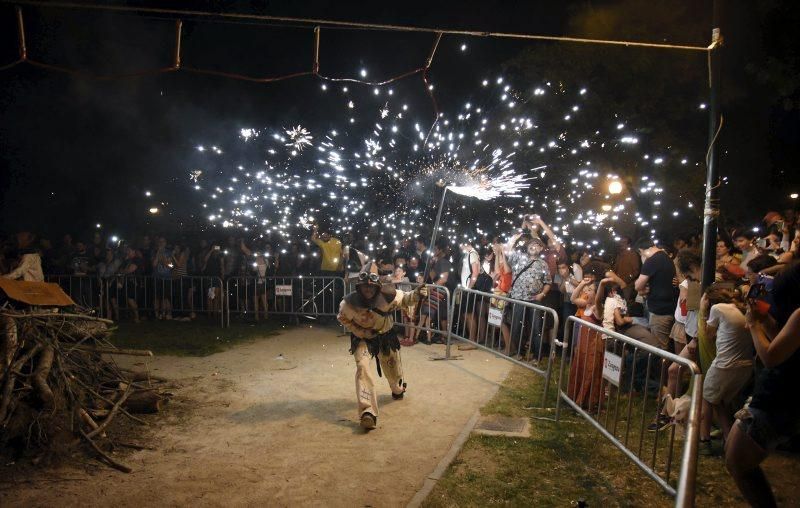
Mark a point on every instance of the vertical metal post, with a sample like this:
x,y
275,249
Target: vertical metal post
x,y
711,207
315,64
23,48
176,60
433,236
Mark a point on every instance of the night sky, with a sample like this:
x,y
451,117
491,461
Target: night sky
x,y
75,152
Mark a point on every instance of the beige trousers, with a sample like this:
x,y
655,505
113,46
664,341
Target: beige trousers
x,y
391,368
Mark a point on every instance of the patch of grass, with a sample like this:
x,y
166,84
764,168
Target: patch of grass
x,y
563,462
196,338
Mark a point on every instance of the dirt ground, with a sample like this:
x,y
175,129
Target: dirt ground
x,y
249,429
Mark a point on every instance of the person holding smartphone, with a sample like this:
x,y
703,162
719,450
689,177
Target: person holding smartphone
x,y
773,416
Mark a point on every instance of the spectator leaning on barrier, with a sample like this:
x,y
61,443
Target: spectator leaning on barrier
x,y
587,349
110,264
773,416
655,283
212,268
531,282
433,310
260,264
567,280
469,304
81,262
182,290
162,270
413,269
732,368
129,289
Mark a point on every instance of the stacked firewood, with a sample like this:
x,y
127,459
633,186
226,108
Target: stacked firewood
x,y
60,388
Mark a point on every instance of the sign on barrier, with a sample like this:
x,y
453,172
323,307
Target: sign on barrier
x,y
612,367
495,316
615,382
311,297
283,290
519,332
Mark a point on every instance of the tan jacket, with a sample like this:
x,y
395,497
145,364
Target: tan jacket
x,y
29,269
365,323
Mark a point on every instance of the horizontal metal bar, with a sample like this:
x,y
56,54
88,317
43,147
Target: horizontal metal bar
x,y
692,366
499,354
328,23
644,467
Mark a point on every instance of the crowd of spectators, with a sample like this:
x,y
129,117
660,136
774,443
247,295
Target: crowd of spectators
x,y
743,330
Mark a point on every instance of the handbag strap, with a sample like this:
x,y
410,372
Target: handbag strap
x,y
520,273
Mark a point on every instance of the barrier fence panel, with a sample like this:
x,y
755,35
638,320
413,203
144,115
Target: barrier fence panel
x,y
614,382
163,298
518,331
130,295
189,296
296,296
425,320
85,290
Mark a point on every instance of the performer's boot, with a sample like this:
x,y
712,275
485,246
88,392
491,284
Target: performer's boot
x,y
392,368
368,421
399,396
365,384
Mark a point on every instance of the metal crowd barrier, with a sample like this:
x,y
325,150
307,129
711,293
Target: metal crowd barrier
x,y
428,317
180,297
609,383
85,290
514,330
295,296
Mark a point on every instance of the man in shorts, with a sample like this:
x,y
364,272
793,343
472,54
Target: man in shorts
x,y
655,282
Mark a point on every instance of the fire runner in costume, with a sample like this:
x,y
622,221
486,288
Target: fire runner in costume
x,y
367,313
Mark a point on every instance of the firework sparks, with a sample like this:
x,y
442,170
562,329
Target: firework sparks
x,y
300,138
375,173
486,188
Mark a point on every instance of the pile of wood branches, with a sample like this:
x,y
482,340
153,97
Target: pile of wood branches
x,y
60,389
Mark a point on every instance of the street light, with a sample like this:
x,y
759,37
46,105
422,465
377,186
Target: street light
x,y
615,187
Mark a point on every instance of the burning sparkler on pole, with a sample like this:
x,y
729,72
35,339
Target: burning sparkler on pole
x,y
486,188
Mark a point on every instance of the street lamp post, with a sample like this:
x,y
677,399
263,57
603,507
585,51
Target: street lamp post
x,y
711,208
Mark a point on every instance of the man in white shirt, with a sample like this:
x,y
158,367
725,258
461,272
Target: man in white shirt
x,y
470,268
470,265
